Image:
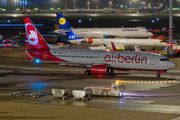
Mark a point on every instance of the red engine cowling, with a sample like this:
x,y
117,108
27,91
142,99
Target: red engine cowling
x,y
88,40
100,69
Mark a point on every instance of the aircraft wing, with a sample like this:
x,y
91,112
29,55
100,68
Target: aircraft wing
x,y
107,47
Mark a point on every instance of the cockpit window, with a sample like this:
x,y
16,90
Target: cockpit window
x,y
164,59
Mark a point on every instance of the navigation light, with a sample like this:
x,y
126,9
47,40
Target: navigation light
x,y
37,61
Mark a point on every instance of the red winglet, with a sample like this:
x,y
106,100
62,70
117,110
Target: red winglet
x,y
28,56
113,46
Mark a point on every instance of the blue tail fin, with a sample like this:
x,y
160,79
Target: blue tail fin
x,y
63,23
71,36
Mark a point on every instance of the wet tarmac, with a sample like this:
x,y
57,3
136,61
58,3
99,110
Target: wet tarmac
x,y
18,74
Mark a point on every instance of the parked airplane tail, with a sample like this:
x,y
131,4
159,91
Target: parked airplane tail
x,y
63,23
71,36
36,41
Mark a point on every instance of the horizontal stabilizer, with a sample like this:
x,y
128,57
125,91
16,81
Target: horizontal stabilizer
x,y
28,56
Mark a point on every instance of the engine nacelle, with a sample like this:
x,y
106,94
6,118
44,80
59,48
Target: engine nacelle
x,y
100,69
88,40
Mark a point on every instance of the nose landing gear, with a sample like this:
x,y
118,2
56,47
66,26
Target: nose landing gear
x,y
158,75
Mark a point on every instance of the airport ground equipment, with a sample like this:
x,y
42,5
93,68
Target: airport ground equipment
x,y
34,95
17,93
81,95
16,45
61,93
114,90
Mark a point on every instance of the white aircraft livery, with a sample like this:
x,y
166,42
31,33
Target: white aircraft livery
x,y
101,32
99,62
103,43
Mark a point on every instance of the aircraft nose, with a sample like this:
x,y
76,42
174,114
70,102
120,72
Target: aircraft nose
x,y
150,34
171,64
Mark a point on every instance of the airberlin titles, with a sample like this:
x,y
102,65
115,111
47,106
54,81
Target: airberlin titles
x,y
127,59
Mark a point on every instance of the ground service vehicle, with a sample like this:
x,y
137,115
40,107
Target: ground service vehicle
x,y
17,94
7,43
34,95
81,95
114,90
61,93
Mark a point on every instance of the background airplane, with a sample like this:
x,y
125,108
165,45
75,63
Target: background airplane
x,y
101,32
104,43
24,11
152,10
99,62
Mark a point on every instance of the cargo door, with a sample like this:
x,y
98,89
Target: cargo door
x,y
152,61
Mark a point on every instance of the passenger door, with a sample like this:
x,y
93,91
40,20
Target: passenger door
x,y
152,61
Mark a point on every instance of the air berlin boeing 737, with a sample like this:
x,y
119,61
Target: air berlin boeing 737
x,y
99,62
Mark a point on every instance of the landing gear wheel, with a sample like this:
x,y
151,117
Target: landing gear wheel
x,y
158,75
87,72
104,93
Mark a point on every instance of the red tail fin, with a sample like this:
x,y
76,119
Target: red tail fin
x,y
36,41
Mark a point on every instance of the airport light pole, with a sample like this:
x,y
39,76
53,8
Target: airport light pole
x,y
15,4
88,4
112,4
36,3
170,28
130,4
97,4
65,4
74,4
54,3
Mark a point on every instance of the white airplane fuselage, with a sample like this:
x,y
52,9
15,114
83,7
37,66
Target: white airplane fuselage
x,y
122,42
102,32
120,60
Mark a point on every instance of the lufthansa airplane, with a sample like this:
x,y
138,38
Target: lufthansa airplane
x,y
101,32
99,62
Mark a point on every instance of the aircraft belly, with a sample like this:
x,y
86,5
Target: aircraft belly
x,y
135,66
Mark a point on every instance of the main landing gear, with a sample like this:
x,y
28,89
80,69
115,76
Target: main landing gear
x,y
87,72
158,75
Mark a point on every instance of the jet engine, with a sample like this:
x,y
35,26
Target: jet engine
x,y
100,69
88,40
